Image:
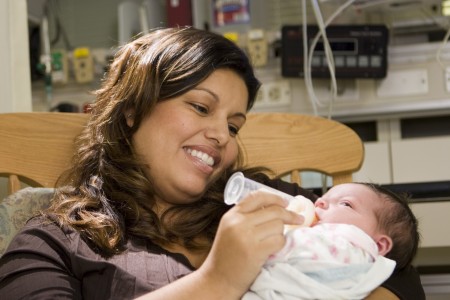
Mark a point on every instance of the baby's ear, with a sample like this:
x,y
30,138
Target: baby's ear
x,y
384,244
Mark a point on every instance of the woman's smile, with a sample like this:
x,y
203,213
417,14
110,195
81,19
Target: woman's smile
x,y
210,159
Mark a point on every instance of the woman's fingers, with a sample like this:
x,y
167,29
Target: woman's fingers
x,y
260,199
247,235
274,212
261,217
262,207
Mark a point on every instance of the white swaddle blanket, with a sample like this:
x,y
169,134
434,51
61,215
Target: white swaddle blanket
x,y
327,261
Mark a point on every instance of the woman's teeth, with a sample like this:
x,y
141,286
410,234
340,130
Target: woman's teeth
x,y
202,156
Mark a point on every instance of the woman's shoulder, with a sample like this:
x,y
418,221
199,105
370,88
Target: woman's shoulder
x,y
40,245
43,236
47,227
43,245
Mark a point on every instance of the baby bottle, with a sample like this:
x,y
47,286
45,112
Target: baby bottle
x,y
239,186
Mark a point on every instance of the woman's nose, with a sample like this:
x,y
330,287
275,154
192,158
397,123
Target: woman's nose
x,y
218,132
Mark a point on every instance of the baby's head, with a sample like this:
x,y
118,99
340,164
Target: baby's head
x,y
382,214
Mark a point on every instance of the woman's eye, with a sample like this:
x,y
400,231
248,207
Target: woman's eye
x,y
233,130
200,108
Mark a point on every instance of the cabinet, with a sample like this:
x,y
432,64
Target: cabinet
x,y
421,159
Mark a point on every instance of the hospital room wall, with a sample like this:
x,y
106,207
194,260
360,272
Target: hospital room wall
x,y
15,86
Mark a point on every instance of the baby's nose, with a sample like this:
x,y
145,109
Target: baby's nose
x,y
320,203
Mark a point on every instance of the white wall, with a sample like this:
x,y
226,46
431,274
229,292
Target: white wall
x,y
15,84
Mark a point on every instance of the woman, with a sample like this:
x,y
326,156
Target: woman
x,y
141,212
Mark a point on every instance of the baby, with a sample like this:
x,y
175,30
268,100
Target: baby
x,y
361,234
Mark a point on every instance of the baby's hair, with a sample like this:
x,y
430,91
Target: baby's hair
x,y
397,220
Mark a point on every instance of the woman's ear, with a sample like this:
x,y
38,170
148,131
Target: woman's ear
x,y
384,244
129,117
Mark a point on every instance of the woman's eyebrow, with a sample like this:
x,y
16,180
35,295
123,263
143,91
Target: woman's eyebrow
x,y
214,95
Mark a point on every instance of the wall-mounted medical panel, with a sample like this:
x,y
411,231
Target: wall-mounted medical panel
x,y
359,51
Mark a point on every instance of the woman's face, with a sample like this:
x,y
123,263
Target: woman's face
x,y
189,140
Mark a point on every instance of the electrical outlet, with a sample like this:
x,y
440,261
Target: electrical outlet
x,y
257,47
83,65
260,96
347,90
277,93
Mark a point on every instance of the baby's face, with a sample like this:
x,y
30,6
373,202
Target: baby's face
x,y
350,203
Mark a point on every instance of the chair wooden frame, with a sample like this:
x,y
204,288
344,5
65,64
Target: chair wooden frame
x,y
36,147
288,143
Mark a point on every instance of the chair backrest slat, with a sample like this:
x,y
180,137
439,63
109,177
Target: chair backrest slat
x,y
288,143
37,147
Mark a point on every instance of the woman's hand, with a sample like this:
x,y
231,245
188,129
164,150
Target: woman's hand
x,y
247,235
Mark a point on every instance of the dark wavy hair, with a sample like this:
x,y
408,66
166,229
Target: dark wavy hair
x,y
397,220
106,195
